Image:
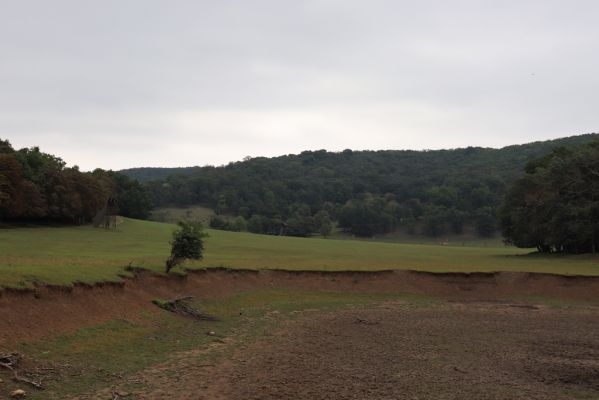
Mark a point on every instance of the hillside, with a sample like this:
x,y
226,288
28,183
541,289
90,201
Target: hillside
x,y
146,174
528,150
364,192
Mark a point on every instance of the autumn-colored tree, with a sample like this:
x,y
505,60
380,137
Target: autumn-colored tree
x,y
11,187
36,186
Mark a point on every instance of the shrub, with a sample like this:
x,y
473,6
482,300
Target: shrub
x,y
187,243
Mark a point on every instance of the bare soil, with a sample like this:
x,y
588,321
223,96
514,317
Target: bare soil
x,y
451,350
30,315
477,343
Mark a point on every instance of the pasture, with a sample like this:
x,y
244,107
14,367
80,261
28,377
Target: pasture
x,y
65,255
113,342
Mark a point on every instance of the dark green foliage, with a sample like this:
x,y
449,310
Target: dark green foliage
x,y
367,215
325,225
435,221
239,224
6,147
273,226
187,243
254,224
219,222
147,174
133,198
555,206
486,222
435,192
300,225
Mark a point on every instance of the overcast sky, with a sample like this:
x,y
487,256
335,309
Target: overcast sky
x,y
127,83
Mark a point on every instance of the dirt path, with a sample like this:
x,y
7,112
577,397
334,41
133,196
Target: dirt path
x,y
399,351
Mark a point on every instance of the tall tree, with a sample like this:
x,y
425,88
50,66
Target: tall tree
x,y
555,206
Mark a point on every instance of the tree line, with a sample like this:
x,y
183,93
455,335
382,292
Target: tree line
x,y
39,187
551,202
363,192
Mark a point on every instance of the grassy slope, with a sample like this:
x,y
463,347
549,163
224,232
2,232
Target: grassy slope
x,y
71,254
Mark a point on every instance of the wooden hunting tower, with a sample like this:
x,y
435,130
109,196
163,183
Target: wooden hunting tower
x,y
106,216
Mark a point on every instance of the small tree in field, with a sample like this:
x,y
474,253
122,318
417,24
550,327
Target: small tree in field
x,y
187,244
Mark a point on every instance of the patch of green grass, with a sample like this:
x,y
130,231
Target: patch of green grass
x,y
580,394
256,302
105,355
469,238
102,354
64,255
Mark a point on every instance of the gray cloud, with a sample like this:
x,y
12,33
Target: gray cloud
x,y
117,84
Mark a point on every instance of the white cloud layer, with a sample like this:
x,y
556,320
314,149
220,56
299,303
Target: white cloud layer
x,y
117,84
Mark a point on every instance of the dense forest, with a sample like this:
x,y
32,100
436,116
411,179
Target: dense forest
x,y
38,187
555,205
365,192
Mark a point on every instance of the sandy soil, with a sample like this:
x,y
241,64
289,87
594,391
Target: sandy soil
x,y
451,350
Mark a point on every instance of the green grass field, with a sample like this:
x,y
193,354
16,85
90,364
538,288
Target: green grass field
x,y
468,239
62,256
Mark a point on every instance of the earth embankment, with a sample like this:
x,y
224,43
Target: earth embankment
x,y
27,315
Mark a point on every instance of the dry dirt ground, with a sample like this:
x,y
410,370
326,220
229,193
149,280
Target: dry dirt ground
x,y
397,350
29,315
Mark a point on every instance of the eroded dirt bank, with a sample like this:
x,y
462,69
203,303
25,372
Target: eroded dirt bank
x,y
45,311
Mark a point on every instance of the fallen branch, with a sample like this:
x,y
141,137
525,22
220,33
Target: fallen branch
x,y
11,362
117,394
11,359
37,385
365,322
181,306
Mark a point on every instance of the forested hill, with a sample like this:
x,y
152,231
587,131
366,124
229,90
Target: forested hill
x,y
146,174
365,191
518,152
